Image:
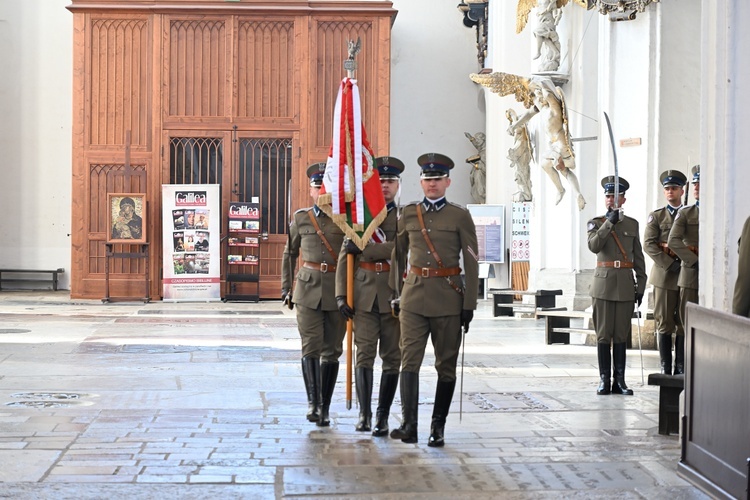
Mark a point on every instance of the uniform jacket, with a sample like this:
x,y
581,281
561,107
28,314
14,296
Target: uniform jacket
x,y
370,286
741,301
616,284
683,240
452,232
313,287
657,232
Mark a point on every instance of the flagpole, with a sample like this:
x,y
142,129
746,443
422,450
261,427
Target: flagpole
x,y
350,65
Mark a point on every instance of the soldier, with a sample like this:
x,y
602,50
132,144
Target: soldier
x,y
683,241
741,300
321,326
666,267
374,322
614,239
434,234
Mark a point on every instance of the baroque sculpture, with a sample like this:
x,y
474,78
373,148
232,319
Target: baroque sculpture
x,y
478,175
541,97
520,156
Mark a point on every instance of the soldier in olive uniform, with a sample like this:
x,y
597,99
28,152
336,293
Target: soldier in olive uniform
x,y
615,288
321,326
683,241
666,267
434,234
741,301
374,322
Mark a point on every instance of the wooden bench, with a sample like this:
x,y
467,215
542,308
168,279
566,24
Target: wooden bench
x,y
502,301
670,387
557,328
53,279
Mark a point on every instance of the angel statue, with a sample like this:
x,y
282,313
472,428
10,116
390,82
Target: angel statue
x,y
548,14
520,156
478,175
541,97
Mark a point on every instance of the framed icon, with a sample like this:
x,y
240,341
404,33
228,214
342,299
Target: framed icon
x,y
126,218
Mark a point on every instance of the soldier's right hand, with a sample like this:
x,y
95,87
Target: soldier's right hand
x,y
344,308
613,216
286,297
675,266
352,248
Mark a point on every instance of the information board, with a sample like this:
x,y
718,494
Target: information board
x,y
489,221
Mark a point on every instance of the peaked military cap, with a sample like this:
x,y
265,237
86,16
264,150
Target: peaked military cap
x,y
389,167
434,165
315,173
608,183
696,171
672,178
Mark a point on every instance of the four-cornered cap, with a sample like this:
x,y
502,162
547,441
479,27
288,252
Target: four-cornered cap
x,y
608,183
672,178
127,201
434,165
389,167
696,171
315,173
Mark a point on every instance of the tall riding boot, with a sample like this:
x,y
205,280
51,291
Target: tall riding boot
x,y
388,384
619,387
311,374
328,374
665,352
409,408
364,397
679,354
443,397
605,369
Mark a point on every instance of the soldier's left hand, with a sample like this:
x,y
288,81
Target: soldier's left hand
x,y
344,308
466,316
639,299
352,248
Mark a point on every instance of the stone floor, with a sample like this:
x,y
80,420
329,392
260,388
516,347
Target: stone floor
x,y
206,400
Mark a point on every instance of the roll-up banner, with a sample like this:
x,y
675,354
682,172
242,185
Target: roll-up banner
x,y
191,242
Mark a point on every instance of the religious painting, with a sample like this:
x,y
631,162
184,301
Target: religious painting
x,y
126,218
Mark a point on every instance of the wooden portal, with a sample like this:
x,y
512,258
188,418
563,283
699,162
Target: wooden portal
x,y
237,93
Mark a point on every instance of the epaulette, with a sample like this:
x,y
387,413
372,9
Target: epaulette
x,y
659,209
413,203
458,206
302,210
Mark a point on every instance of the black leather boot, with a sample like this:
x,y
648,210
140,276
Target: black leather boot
x,y
388,384
665,352
328,374
409,408
619,386
605,369
311,374
679,354
443,397
364,397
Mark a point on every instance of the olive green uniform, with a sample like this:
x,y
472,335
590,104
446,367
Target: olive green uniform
x,y
683,241
373,322
613,288
430,306
321,326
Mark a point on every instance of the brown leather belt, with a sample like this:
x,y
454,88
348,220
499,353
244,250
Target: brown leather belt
x,y
431,272
693,249
665,248
617,264
319,266
378,267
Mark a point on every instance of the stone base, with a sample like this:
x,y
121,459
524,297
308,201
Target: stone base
x,y
574,284
648,337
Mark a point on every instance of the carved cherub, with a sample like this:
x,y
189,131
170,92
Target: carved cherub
x,y
541,97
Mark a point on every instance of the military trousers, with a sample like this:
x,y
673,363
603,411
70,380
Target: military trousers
x,y
667,311
322,333
612,320
445,333
373,330
686,295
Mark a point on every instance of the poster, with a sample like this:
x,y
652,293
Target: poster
x,y
520,246
489,221
191,242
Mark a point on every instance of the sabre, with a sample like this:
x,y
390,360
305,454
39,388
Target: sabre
x,y
638,317
614,156
461,389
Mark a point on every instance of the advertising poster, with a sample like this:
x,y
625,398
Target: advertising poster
x,y
191,242
520,247
488,220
